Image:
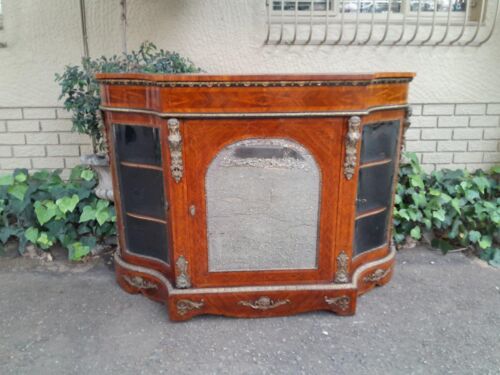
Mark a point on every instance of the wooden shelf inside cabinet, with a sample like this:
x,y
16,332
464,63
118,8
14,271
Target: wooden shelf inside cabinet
x,y
254,195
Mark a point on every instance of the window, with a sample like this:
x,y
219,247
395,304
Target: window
x,y
410,8
303,5
387,22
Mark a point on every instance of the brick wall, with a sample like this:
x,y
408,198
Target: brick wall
x,y
455,135
443,135
39,138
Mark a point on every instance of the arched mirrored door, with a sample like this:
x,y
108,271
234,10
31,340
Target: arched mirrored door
x,y
262,198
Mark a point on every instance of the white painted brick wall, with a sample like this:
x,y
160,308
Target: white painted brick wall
x,y
39,138
462,135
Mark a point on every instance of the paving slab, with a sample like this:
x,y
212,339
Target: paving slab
x,y
438,315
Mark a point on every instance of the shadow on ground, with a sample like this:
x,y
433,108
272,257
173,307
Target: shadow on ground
x,y
438,315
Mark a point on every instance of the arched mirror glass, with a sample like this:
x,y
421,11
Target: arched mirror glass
x,y
262,200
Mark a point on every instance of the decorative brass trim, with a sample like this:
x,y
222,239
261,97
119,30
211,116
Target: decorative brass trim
x,y
264,303
186,305
258,289
342,302
209,84
139,282
351,142
182,280
256,114
377,275
342,273
175,145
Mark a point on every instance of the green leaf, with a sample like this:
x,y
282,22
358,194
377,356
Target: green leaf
x,y
439,214
415,233
485,242
31,234
417,181
435,192
441,244
481,182
45,212
419,199
87,174
495,260
471,195
77,251
445,198
20,177
102,216
7,232
474,236
88,214
44,241
68,204
397,199
101,204
404,214
18,190
455,203
6,180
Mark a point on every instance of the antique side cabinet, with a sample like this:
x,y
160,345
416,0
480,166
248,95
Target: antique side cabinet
x,y
254,195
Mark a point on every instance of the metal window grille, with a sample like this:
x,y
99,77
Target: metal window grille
x,y
381,22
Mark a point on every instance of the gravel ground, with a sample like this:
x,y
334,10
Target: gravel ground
x,y
438,315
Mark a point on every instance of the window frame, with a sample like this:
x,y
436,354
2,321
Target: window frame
x,y
456,18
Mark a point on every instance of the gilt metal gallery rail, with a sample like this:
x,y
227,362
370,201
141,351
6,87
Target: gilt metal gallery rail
x,y
381,22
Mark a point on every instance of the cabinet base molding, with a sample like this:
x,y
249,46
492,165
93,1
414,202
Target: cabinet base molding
x,y
257,301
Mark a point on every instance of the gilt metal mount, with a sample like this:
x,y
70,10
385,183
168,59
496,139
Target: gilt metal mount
x,y
182,280
342,273
351,146
342,302
186,305
175,145
264,303
139,282
377,275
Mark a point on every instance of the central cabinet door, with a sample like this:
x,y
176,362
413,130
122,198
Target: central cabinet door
x,y
262,196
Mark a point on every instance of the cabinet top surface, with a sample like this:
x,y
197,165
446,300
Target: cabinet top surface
x,y
158,78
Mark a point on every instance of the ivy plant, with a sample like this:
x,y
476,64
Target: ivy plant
x,y
459,208
44,210
80,90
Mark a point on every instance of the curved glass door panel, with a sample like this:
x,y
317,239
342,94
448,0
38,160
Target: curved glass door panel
x,y
140,179
142,191
137,144
379,141
375,187
262,199
370,232
147,238
375,184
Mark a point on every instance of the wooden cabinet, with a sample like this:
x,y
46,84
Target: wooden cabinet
x,y
254,196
